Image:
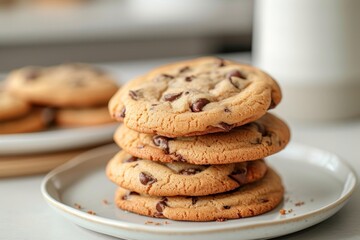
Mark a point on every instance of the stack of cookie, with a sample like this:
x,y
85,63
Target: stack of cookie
x,y
194,137
71,94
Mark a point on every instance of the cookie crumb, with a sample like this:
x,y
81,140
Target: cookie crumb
x,y
78,206
290,210
298,204
158,224
166,222
91,212
282,211
149,222
106,202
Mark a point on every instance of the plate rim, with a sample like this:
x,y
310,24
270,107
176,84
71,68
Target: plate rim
x,y
120,224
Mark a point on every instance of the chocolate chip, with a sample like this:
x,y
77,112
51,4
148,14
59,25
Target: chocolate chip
x,y
122,113
272,104
133,193
225,126
235,73
179,158
184,69
227,110
194,200
162,142
189,171
160,206
172,96
146,179
125,197
199,104
31,74
221,62
189,78
131,159
239,175
167,76
261,129
226,207
263,200
186,93
134,95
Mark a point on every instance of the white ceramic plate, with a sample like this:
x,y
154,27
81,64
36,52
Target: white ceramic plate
x,y
56,139
315,180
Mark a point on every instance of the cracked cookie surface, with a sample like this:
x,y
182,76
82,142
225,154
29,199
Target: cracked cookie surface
x,y
68,85
183,179
256,140
250,200
195,97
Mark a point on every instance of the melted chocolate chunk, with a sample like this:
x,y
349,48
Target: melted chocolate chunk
x,y
194,200
134,95
179,158
261,129
162,142
235,73
263,200
122,113
133,193
125,197
132,159
190,171
31,74
187,93
184,69
227,110
225,126
226,207
199,104
172,96
167,76
221,62
160,206
239,175
158,215
189,78
146,179
272,104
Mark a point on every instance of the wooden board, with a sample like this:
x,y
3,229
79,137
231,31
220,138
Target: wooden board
x,y
11,166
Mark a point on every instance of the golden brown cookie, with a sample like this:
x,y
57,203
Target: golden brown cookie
x,y
183,179
68,85
247,201
12,107
195,97
256,140
76,117
31,122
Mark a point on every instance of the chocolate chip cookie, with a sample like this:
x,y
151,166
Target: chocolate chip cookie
x,y
195,97
76,117
255,140
249,200
12,107
31,122
183,179
68,85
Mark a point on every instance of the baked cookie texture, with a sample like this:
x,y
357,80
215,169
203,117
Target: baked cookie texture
x,y
67,85
255,140
250,200
181,179
31,122
74,117
195,97
12,107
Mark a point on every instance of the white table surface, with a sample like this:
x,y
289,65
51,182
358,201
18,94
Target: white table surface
x,y
25,215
